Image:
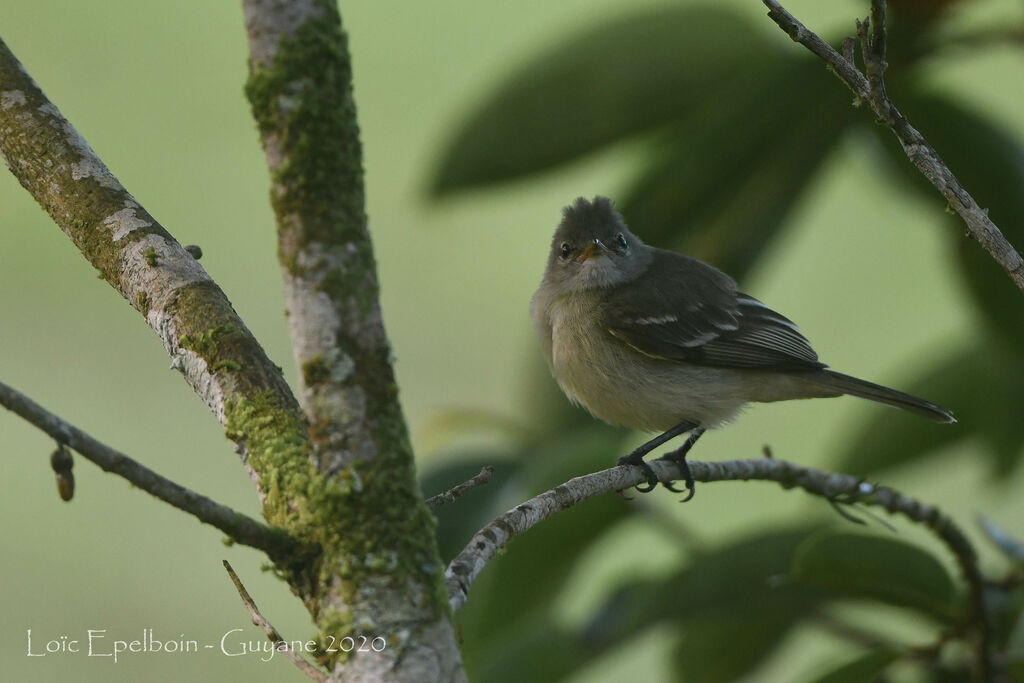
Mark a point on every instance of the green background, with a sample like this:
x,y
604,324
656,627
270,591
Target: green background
x,y
156,89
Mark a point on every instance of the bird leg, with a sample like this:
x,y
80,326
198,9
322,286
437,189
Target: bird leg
x,y
636,458
678,456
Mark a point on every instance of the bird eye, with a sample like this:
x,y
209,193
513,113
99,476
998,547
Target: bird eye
x,y
620,239
565,250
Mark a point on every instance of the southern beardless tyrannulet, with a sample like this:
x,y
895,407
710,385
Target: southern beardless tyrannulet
x,y
658,341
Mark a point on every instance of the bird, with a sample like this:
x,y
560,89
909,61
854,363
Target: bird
x,y
659,341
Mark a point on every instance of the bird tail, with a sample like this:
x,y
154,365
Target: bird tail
x,y
876,392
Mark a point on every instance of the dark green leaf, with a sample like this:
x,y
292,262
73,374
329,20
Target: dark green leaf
x,y
728,582
865,669
989,163
1006,615
621,78
536,651
724,647
976,386
1016,668
853,565
734,166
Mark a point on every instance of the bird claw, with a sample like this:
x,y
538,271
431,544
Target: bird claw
x,y
691,486
652,478
669,485
678,456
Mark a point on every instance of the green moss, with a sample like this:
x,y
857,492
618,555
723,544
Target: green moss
x,y
368,519
275,439
226,365
205,343
315,370
142,299
350,282
394,534
304,101
323,157
150,255
290,261
333,622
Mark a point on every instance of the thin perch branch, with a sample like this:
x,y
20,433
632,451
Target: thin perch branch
x,y
275,637
451,494
245,530
871,91
842,488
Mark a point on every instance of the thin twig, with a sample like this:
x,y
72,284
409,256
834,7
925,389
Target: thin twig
x,y
451,494
464,569
242,529
871,91
279,643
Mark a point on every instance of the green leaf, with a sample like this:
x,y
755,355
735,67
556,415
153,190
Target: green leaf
x,y
725,647
734,166
984,396
989,163
623,77
729,582
853,565
537,651
1015,668
1006,616
865,669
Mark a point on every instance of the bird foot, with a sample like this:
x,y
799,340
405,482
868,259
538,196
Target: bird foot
x,y
636,458
680,460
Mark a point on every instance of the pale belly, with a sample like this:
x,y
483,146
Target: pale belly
x,y
622,386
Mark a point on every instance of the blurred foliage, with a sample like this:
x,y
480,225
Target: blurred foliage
x,y
878,568
864,669
734,125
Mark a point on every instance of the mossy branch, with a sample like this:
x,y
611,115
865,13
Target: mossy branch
x,y
380,572
206,340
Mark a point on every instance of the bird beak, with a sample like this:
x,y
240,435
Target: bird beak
x,y
595,248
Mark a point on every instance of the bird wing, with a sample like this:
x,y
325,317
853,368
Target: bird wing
x,y
683,309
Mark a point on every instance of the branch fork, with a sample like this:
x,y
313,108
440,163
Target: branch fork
x,y
870,89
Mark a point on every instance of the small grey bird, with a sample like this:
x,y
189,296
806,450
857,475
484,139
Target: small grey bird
x,y
658,341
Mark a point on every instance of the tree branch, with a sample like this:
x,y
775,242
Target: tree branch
x,y
445,497
382,573
837,488
242,529
280,643
206,340
871,91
